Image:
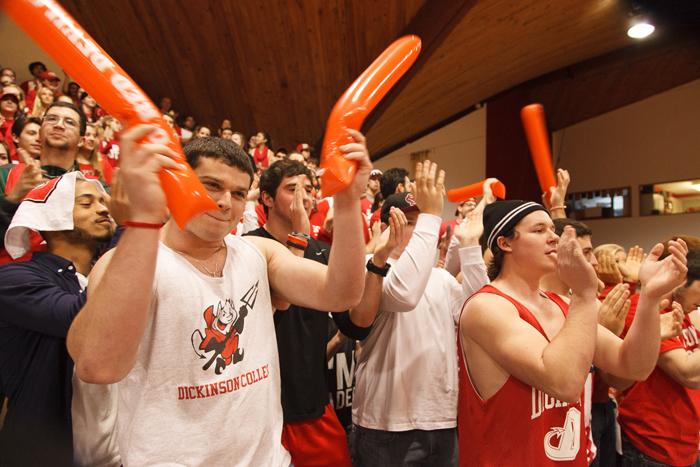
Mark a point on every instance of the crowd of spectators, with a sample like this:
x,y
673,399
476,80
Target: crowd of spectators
x,y
392,361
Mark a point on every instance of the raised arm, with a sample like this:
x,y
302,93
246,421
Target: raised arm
x,y
365,312
104,338
338,286
493,332
408,277
636,356
472,267
557,195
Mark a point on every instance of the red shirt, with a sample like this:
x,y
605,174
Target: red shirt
x,y
260,157
318,217
106,167
376,217
443,226
262,217
519,425
366,206
659,415
110,149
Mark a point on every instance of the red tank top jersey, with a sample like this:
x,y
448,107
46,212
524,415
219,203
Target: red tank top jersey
x,y
519,425
660,416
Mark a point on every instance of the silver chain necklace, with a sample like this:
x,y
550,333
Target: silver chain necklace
x,y
201,262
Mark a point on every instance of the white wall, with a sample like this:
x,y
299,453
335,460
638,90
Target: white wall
x,y
18,51
651,141
459,148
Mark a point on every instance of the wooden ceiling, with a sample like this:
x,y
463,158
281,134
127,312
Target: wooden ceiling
x,y
279,66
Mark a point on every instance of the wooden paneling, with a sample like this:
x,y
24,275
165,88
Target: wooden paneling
x,y
497,45
280,65
277,66
620,78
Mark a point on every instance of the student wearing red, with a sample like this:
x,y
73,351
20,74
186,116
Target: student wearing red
x,y
89,158
659,417
525,354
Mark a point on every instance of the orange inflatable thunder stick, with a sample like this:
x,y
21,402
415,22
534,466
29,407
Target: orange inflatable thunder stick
x,y
356,103
85,61
457,195
538,139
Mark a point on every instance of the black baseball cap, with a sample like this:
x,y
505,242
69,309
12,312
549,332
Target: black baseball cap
x,y
404,201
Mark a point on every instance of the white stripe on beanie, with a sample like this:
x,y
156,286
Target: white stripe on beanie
x,y
496,232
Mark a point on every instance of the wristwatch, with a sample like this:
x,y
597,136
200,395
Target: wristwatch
x,y
380,271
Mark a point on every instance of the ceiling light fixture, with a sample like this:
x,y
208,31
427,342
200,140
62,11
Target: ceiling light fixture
x,y
640,29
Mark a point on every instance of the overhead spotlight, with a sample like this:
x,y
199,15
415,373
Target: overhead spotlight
x,y
640,29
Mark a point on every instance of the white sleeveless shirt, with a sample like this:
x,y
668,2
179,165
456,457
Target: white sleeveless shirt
x,y
205,388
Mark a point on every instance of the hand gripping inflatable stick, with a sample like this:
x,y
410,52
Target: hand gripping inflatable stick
x,y
356,103
77,53
457,195
538,139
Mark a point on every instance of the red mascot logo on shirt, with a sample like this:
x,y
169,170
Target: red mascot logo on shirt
x,y
224,325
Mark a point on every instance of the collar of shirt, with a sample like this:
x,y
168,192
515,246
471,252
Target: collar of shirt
x,y
57,263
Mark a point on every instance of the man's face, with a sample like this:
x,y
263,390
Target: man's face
x,y
281,205
10,101
587,247
466,207
688,296
73,89
226,133
29,140
203,132
373,185
90,214
228,186
411,219
89,141
165,104
52,83
237,138
189,123
37,70
61,129
535,243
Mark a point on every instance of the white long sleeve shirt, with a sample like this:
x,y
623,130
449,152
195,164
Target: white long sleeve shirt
x,y
406,376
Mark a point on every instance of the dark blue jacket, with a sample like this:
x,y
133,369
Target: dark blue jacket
x,y
38,301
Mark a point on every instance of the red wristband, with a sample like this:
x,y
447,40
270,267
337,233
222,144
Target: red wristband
x,y
142,225
296,242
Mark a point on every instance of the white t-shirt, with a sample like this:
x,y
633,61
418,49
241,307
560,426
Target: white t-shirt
x,y
406,376
205,389
94,416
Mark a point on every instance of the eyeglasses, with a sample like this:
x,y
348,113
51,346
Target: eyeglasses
x,y
53,119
